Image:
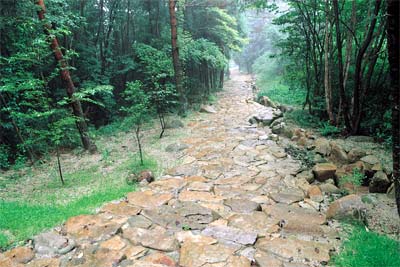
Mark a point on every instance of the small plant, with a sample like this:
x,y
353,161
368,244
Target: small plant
x,y
356,178
306,157
105,155
212,99
138,110
327,129
186,227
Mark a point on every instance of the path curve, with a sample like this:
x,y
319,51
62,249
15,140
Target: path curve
x,y
233,202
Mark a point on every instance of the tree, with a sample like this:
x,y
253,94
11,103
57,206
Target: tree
x,y
175,55
392,29
69,85
138,110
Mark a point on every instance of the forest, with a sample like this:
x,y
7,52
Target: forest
x,y
99,98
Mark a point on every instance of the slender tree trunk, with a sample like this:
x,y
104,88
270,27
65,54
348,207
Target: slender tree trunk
x,y
69,85
358,70
343,100
349,43
137,133
327,78
394,58
59,166
175,56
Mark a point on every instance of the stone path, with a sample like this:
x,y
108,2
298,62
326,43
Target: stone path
x,y
234,202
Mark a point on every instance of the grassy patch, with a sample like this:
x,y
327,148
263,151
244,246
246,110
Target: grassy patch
x,y
24,220
134,165
45,204
368,249
279,92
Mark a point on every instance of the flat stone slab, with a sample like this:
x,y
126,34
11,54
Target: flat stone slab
x,y
230,234
287,197
199,196
242,205
295,249
148,199
156,238
90,227
184,215
290,213
201,255
257,222
123,209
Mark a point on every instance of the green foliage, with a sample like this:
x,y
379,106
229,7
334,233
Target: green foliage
x,y
306,157
303,118
138,108
365,248
328,129
356,178
4,152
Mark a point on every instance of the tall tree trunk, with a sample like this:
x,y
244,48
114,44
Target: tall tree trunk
x,y
175,56
327,78
69,85
349,43
358,70
342,94
394,62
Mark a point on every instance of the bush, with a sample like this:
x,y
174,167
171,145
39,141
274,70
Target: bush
x,y
356,178
327,129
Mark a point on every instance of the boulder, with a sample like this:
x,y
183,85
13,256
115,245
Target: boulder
x,y
322,147
266,116
324,171
315,193
370,161
266,101
348,207
379,183
307,175
278,128
356,154
207,109
338,154
329,188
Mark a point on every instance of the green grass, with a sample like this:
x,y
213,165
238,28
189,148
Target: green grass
x,y
24,220
368,249
279,92
47,204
